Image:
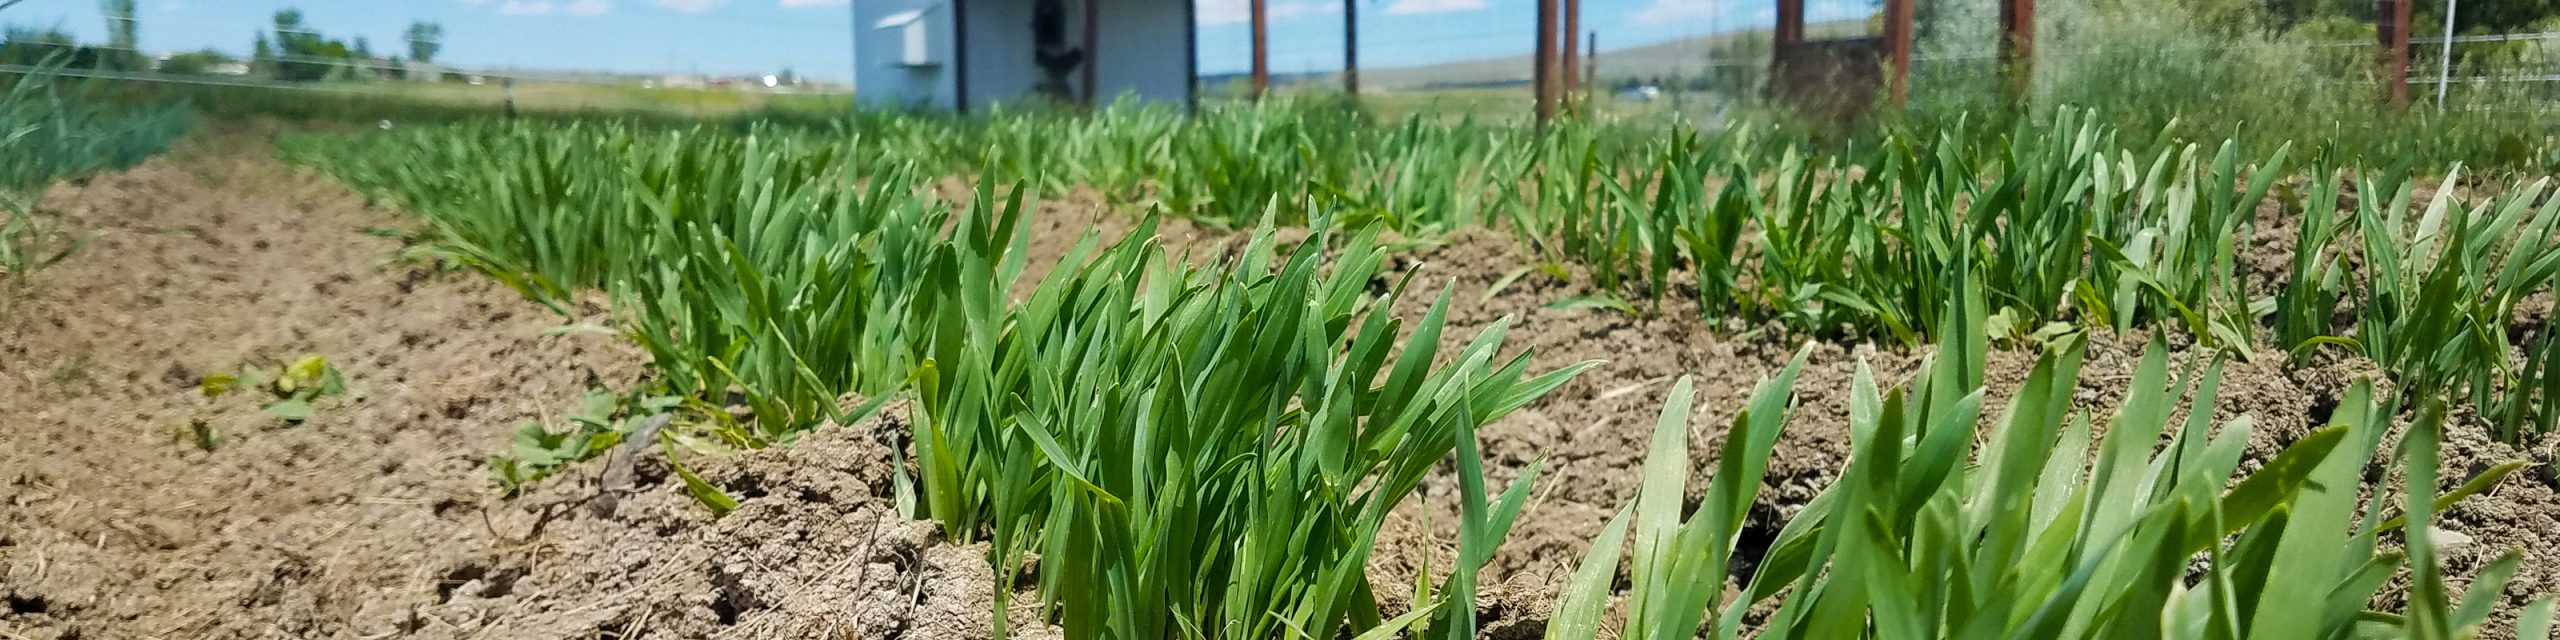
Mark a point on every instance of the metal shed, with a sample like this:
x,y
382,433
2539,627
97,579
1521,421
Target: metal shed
x,y
967,54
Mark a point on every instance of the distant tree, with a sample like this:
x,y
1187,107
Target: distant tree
x,y
25,46
369,66
425,40
2480,17
1927,19
293,43
262,56
2474,16
124,54
303,54
2282,15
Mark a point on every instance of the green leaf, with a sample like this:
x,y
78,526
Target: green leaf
x,y
306,373
67,250
1401,623
1577,610
2309,551
214,386
2477,484
290,409
710,496
2485,591
1594,302
203,436
2274,484
1503,283
1658,501
2534,621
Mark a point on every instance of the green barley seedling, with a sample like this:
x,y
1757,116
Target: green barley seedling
x,y
2317,280
1227,447
2034,538
2438,293
2525,406
753,263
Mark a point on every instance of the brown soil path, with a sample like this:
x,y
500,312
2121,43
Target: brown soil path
x,y
378,517
114,526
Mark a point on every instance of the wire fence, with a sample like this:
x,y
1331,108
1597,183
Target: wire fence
x,y
1703,66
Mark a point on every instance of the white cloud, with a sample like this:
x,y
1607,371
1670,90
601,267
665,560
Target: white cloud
x,y
691,6
588,7
802,4
527,7
1414,7
1218,12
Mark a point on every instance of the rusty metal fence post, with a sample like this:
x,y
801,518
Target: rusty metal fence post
x,y
2391,27
1571,67
1897,49
1261,50
2017,47
1545,59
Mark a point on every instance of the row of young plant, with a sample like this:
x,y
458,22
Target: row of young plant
x,y
760,264
2042,529
1229,165
2065,223
1209,450
2067,228
51,129
1229,444
1191,450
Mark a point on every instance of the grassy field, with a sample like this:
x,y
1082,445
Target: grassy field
x,y
573,97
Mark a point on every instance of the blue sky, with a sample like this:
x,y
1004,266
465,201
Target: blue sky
x,y
809,36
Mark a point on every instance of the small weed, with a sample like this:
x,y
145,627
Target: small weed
x,y
603,421
294,386
201,434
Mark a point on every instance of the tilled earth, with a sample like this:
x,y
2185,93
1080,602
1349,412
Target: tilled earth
x,y
378,518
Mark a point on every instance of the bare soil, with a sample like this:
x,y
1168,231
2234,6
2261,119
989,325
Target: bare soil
x,y
378,518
